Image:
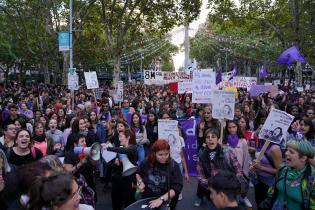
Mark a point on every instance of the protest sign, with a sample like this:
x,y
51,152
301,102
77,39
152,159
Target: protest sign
x,y
268,83
177,76
91,80
256,90
73,82
299,89
307,87
203,84
184,87
276,126
191,146
223,105
120,91
168,130
237,81
98,93
276,82
153,77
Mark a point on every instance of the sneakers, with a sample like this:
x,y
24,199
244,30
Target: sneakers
x,y
198,202
247,203
180,197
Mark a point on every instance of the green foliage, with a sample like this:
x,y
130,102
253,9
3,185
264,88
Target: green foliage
x,y
254,32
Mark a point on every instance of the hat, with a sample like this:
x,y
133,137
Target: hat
x,y
80,106
303,147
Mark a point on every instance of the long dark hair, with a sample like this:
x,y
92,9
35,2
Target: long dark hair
x,y
311,133
239,132
133,126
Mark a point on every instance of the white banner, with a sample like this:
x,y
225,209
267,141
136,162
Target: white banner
x,y
239,82
120,91
177,76
91,80
73,82
276,126
203,84
184,87
223,105
153,77
168,130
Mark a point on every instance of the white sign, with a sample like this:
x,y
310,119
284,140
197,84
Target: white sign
x,y
276,82
268,83
276,126
168,130
223,105
91,80
177,76
184,87
120,91
307,87
239,82
203,83
153,77
73,82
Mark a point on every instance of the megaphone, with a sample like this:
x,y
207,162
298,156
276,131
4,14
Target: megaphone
x,y
94,151
128,167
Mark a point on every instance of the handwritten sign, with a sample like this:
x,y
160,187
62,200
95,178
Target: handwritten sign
x,y
184,87
203,83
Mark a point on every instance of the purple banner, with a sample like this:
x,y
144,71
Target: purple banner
x,y
191,153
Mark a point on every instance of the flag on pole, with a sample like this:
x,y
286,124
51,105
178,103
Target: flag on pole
x,y
219,76
263,72
234,71
290,56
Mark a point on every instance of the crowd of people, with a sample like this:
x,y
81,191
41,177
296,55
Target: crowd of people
x,y
41,125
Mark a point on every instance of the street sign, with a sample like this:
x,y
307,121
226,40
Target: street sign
x,y
64,41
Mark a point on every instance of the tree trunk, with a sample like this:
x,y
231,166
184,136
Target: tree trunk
x,y
116,70
296,20
46,72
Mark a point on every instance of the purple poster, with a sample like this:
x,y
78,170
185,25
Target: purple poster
x,y
191,153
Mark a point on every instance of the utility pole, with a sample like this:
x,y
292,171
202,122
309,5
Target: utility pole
x,y
70,40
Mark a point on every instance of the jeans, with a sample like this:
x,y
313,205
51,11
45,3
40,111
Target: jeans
x,y
141,153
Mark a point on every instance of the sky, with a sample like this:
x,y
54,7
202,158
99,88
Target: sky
x,y
178,34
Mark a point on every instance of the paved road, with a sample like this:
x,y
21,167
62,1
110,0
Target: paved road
x,y
189,192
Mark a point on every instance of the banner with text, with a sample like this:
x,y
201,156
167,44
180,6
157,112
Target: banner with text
x,y
184,87
239,82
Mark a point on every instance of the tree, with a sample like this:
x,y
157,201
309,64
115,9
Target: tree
x,y
128,18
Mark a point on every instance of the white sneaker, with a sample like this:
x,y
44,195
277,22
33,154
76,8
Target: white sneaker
x,y
247,203
180,197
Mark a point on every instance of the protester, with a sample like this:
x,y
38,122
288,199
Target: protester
x,y
23,152
223,195
41,141
168,183
293,187
122,189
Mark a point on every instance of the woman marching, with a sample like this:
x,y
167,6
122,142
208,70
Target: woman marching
x,y
214,158
123,192
160,176
294,184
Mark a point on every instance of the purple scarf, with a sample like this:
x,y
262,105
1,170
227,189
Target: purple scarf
x,y
232,140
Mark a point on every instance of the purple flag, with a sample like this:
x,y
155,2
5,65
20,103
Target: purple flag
x,y
191,145
234,71
256,90
263,72
219,76
290,55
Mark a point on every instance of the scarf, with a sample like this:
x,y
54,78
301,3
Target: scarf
x,y
232,140
294,173
39,138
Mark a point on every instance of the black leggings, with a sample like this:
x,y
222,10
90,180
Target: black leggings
x,y
123,193
261,190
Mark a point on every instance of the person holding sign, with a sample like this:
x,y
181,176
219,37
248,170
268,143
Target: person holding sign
x,y
294,184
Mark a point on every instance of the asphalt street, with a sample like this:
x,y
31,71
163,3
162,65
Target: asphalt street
x,y
187,203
